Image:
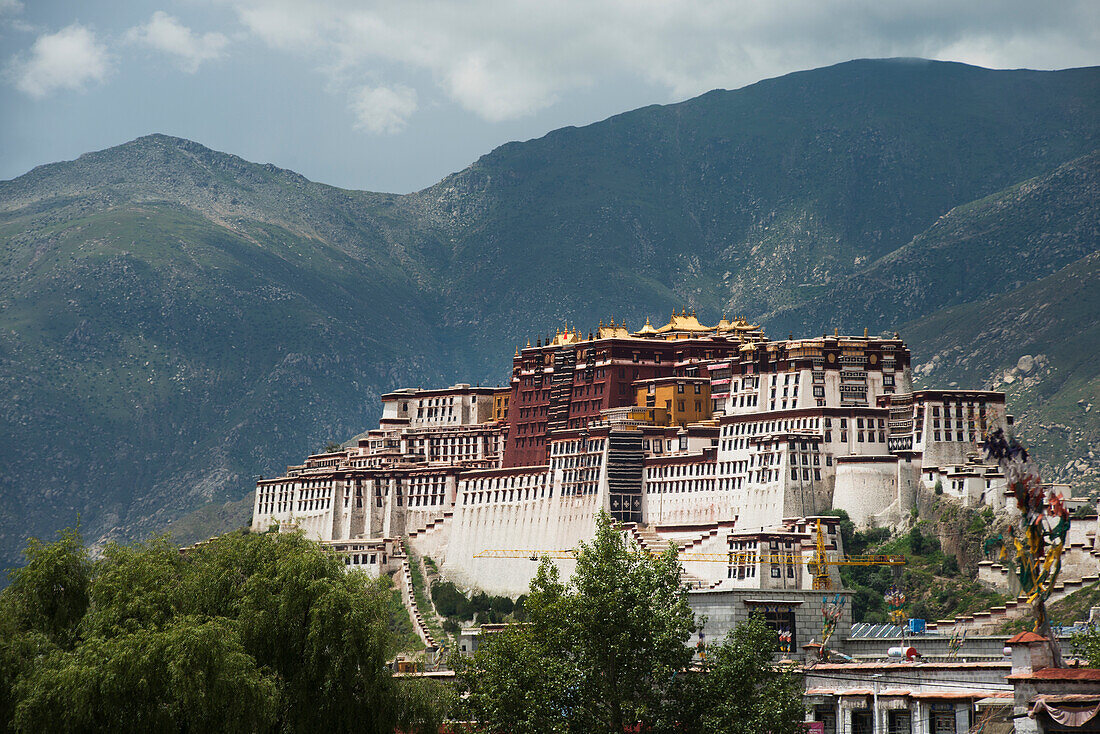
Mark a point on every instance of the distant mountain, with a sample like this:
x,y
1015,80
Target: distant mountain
x,y
174,321
1039,343
985,247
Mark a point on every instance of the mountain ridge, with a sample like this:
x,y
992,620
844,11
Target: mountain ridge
x,y
175,320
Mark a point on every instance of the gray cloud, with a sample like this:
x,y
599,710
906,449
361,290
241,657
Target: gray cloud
x,y
503,60
166,34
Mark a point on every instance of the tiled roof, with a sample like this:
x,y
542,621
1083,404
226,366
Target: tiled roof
x,y
1083,674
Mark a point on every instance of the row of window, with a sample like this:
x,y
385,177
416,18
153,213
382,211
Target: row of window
x,y
510,495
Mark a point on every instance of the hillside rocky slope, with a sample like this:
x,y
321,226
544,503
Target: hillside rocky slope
x,y
175,321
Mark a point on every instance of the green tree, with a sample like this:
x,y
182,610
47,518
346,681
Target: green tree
x,y
742,691
248,633
1087,645
522,679
49,594
597,654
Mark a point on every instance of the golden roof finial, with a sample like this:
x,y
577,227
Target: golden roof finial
x,y
836,332
517,348
528,343
864,332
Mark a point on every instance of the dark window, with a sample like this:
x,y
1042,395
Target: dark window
x,y
898,722
862,723
781,619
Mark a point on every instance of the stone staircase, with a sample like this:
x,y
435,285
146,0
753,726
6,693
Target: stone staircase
x,y
649,540
409,598
432,525
989,620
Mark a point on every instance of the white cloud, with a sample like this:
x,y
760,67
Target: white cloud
x,y
68,59
506,58
10,6
165,33
383,109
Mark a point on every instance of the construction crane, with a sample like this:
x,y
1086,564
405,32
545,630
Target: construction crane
x,y
818,562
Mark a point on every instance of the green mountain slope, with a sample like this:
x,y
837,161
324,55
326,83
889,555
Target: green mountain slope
x,y
982,248
153,359
753,199
1039,344
174,320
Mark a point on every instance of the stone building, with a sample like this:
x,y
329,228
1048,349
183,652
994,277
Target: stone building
x,y
691,434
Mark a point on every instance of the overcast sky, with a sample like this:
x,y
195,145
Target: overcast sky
x,y
392,96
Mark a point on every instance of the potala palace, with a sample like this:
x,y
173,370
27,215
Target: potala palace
x,y
717,439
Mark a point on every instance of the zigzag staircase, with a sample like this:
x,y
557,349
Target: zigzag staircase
x,y
649,540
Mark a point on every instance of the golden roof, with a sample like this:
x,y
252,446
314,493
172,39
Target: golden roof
x,y
566,336
612,331
738,324
646,330
684,321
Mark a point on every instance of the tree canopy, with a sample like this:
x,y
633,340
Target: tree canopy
x,y
608,651
247,633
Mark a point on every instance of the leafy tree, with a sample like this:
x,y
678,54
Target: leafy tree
x,y
502,605
522,680
49,594
742,692
598,654
449,601
519,611
480,603
917,544
1087,645
331,447
248,633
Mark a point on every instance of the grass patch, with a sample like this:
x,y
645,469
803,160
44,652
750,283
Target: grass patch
x,y
403,637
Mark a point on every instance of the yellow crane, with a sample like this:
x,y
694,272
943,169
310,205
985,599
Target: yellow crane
x,y
818,562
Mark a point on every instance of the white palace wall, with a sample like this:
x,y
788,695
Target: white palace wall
x,y
685,493
525,516
865,486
